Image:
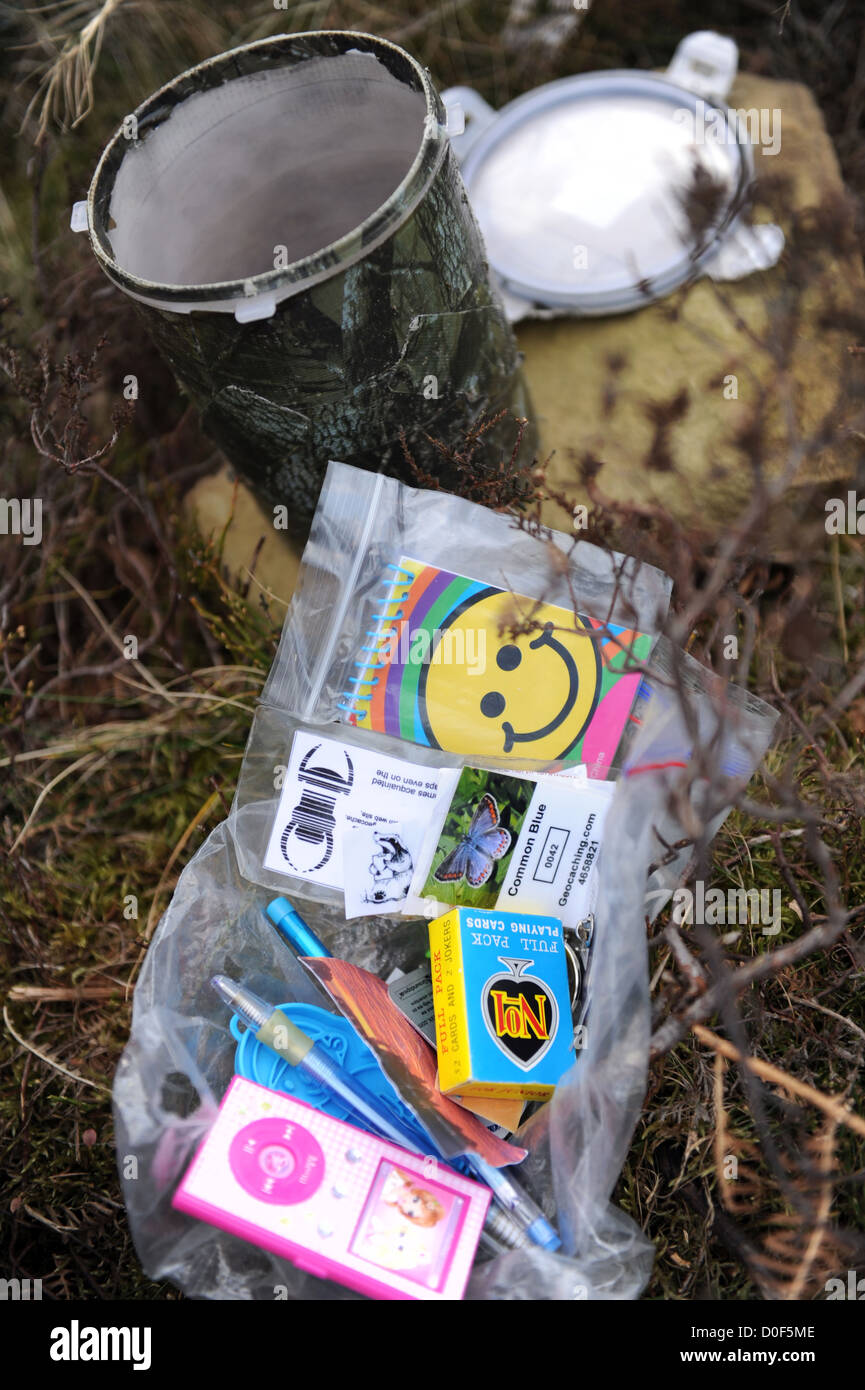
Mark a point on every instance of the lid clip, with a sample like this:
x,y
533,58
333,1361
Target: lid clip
x,y
258,306
705,63
468,116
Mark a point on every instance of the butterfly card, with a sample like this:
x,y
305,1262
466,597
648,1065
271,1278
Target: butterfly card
x,y
516,842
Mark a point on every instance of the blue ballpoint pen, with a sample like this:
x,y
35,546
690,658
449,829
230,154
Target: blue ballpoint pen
x,y
277,1031
300,937
506,1190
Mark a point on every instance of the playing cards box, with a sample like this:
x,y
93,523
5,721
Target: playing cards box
x,y
502,1009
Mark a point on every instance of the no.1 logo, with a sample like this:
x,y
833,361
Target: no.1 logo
x,y
520,1013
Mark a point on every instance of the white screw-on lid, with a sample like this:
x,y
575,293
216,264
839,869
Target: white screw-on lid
x,y
580,186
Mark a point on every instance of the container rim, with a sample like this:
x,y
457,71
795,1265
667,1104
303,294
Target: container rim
x,y
339,255
610,83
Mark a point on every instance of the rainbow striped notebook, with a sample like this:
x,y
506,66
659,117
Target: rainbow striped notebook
x,y
476,670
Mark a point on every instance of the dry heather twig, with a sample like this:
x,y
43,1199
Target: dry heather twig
x,y
830,1105
798,1250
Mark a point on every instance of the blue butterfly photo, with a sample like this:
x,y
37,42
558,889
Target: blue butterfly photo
x,y
475,856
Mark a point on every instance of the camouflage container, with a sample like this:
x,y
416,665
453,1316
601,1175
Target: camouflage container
x,y
289,218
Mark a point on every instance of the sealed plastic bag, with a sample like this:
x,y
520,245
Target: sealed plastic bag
x,y
180,1057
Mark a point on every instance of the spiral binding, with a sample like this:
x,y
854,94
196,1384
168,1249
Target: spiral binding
x,y
381,636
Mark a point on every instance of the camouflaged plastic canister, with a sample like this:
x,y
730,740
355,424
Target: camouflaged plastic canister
x,y
392,326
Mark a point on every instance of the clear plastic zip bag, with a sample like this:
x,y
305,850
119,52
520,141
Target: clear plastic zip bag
x,y
180,1055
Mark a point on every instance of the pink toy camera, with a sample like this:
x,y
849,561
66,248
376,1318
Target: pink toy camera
x,y
334,1200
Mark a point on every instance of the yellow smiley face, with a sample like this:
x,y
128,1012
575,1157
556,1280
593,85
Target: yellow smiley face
x,y
486,693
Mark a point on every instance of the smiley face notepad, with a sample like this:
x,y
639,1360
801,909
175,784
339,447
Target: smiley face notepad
x,y
475,670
